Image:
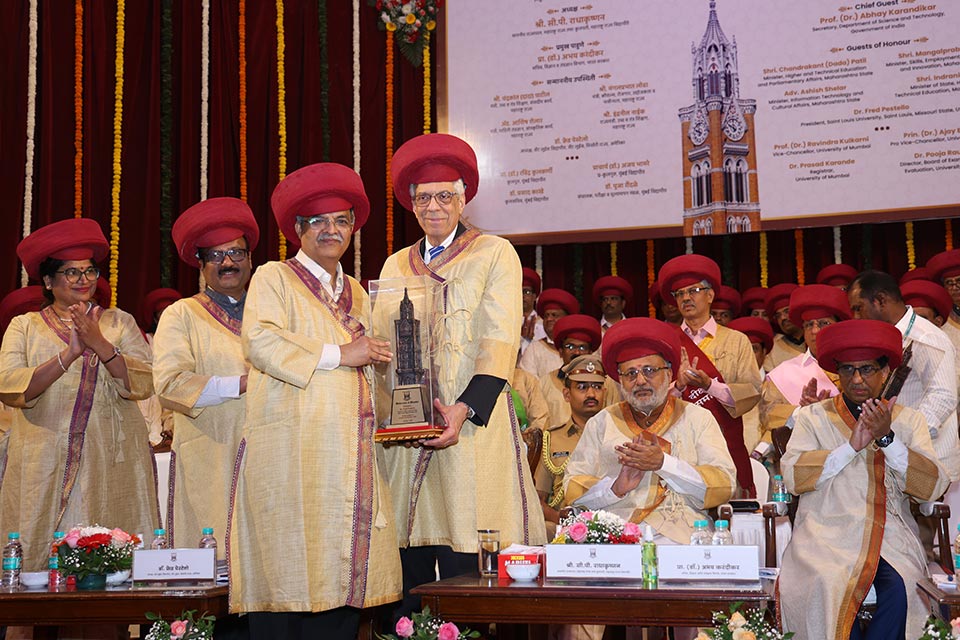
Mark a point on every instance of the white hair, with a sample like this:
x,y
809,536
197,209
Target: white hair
x,y
458,187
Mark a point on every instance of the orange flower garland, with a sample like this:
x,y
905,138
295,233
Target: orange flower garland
x,y
281,112
798,243
389,138
117,148
651,277
911,249
764,266
948,233
242,68
426,82
78,109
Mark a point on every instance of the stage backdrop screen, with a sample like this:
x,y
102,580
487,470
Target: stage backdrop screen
x,y
704,116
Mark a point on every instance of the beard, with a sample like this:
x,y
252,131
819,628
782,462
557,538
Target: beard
x,y
646,404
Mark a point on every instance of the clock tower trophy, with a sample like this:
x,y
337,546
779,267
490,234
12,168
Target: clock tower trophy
x,y
403,309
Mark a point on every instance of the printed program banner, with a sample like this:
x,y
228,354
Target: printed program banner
x,y
702,116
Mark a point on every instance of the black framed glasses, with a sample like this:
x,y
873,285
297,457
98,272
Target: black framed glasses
x,y
216,256
580,348
865,370
72,275
691,291
647,371
422,200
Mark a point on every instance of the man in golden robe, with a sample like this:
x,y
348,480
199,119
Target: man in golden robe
x,y
199,371
78,450
789,343
800,380
474,475
760,334
653,458
312,538
857,462
717,369
945,269
575,335
543,356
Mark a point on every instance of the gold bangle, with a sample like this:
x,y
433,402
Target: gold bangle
x,y
61,362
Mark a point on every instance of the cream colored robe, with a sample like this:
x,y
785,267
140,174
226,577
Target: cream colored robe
x,y
540,358
312,526
843,527
113,481
782,351
559,409
190,346
732,355
694,437
534,403
441,497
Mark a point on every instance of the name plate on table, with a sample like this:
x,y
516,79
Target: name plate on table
x,y
174,565
594,561
695,562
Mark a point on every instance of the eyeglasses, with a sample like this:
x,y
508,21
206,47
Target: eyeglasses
x,y
583,386
422,200
951,283
528,292
72,275
865,370
691,291
819,324
321,222
216,256
582,348
647,371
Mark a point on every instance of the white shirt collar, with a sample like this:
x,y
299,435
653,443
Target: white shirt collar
x,y
445,244
710,327
323,275
607,325
904,321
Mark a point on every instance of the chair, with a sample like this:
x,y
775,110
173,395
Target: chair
x,y
534,441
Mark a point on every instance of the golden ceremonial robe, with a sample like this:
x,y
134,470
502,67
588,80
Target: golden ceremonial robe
x,y
528,388
312,526
540,358
853,518
196,340
441,497
782,351
685,431
78,453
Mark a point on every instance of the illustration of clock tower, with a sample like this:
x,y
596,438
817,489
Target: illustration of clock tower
x,y
719,148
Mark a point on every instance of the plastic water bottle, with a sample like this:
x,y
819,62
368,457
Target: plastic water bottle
x,y
159,539
648,554
956,551
780,493
12,562
55,579
207,541
721,534
701,533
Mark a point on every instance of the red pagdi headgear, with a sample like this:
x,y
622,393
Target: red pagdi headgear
x,y
532,279
557,299
72,239
154,300
918,273
612,286
836,275
18,302
727,298
856,340
578,327
754,298
945,264
684,271
434,157
814,301
325,187
638,337
923,293
778,296
210,223
756,329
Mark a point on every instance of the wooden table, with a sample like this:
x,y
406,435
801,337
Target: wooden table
x,y
45,610
470,599
943,604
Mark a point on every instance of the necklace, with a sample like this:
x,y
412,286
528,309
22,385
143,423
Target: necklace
x,y
89,306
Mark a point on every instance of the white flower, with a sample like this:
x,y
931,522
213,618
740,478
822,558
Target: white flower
x,y
91,530
407,8
385,17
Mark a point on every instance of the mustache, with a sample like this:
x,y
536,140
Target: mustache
x,y
224,270
323,237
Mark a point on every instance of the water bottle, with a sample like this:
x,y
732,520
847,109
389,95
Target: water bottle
x,y
12,562
701,533
159,539
207,541
721,534
780,493
55,579
956,551
648,556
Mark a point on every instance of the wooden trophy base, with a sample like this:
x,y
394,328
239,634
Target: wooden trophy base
x,y
409,416
407,432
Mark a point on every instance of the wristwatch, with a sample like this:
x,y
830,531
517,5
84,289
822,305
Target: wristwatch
x,y
470,412
885,440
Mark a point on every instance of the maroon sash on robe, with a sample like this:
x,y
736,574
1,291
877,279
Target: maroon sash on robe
x,y
732,428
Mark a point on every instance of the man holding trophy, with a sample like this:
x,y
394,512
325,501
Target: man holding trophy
x,y
473,475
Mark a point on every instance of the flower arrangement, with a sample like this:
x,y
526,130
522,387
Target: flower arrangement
x,y
426,626
936,629
736,626
596,527
189,626
95,550
410,21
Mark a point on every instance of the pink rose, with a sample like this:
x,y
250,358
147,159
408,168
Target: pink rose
x,y
448,631
120,536
71,538
578,532
177,629
586,515
404,627
631,529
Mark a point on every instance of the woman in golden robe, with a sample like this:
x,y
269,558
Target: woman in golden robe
x,y
78,449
